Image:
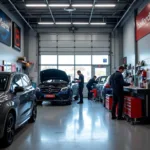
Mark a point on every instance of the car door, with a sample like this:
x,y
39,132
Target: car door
x,y
21,98
30,92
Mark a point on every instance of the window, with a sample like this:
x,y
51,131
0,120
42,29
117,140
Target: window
x,y
100,59
66,59
17,82
48,59
100,72
86,71
48,67
69,71
83,59
26,81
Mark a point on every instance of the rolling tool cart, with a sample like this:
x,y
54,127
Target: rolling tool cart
x,y
133,109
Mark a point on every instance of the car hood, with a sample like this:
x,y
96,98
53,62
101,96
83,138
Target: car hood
x,y
53,74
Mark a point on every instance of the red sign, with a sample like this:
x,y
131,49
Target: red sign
x,y
143,23
16,37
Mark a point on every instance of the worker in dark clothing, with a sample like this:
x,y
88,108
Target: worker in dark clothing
x,y
81,86
117,82
89,86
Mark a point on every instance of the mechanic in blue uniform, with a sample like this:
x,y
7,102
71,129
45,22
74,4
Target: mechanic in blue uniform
x,y
89,85
117,82
80,81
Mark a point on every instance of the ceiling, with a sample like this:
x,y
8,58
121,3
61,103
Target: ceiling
x,y
52,14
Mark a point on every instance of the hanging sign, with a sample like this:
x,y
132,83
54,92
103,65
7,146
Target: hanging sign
x,y
143,23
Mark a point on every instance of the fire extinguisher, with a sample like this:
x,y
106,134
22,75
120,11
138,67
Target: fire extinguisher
x,y
144,75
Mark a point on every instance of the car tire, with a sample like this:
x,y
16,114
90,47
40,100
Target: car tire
x,y
34,114
9,130
39,102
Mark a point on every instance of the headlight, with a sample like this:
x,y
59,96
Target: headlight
x,y
64,89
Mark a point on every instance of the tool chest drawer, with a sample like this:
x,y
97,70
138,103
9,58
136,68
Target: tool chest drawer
x,y
133,107
109,101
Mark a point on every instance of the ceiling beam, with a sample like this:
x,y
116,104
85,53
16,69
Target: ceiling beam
x,y
74,16
50,10
124,15
94,1
70,1
64,1
21,15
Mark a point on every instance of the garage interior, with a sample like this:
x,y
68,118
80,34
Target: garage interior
x,y
94,36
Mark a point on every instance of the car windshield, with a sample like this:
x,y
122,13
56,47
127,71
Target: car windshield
x,y
3,82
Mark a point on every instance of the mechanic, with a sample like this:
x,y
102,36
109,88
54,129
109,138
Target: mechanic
x,y
81,85
89,86
117,82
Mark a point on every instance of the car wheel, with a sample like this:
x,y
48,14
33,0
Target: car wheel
x,y
39,102
34,115
9,130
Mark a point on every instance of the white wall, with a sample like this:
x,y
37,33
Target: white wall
x,y
31,52
8,53
143,45
129,41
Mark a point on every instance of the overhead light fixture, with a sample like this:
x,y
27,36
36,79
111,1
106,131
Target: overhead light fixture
x,y
70,9
98,23
45,23
36,5
59,5
63,23
105,5
82,5
80,23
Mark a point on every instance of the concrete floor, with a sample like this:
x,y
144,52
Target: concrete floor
x,y
80,127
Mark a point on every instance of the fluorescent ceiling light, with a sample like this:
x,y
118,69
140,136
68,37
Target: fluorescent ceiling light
x,y
105,5
98,23
63,23
45,23
59,5
80,23
36,5
82,5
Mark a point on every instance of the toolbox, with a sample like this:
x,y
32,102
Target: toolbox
x,y
133,108
109,101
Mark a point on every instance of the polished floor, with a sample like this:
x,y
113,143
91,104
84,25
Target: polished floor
x,y
80,127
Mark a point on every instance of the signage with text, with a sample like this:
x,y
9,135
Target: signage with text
x,y
143,23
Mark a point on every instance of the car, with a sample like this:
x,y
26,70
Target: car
x,y
106,90
54,87
17,104
99,86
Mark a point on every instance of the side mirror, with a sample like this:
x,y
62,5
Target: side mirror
x,y
18,89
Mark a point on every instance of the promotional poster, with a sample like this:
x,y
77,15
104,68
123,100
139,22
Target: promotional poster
x,y
16,37
5,28
143,23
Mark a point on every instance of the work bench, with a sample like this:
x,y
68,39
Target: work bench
x,y
137,102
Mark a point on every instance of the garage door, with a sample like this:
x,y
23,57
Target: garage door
x,y
74,44
72,52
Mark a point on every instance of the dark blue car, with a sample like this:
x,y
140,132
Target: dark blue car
x,y
54,87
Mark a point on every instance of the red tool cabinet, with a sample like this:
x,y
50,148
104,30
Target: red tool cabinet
x,y
133,107
109,101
